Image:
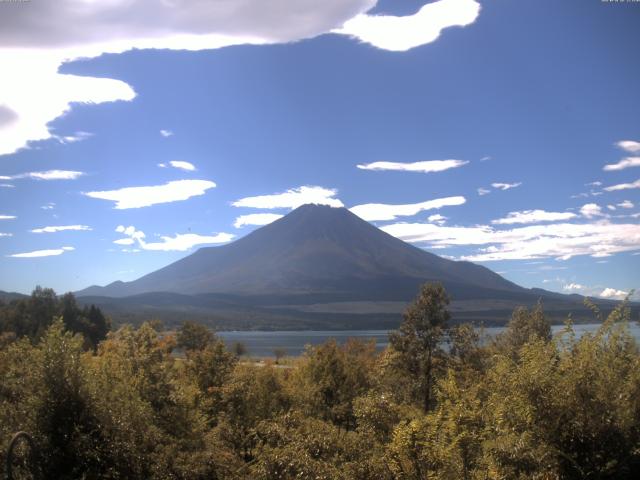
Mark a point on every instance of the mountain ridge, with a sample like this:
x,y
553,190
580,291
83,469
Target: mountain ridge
x,y
309,250
318,267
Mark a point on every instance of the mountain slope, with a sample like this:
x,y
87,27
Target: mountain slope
x,y
314,249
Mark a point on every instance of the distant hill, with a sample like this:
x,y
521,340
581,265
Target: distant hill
x,y
317,266
8,296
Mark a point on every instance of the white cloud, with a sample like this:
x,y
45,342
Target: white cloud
x,y
623,186
505,186
292,198
179,164
426,166
613,293
611,207
483,191
6,185
403,33
47,175
7,217
485,158
591,210
533,216
124,241
48,206
137,197
166,133
61,228
437,218
594,184
573,286
381,211
37,40
73,138
622,164
34,93
180,242
256,219
6,234
626,204
560,241
42,253
629,145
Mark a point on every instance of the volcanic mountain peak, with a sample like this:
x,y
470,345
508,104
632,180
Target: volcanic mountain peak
x,y
313,249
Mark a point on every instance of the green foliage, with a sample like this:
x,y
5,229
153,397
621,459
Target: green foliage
x,y
524,327
417,343
32,316
331,377
523,406
193,336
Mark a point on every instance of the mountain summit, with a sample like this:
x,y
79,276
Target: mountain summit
x,y
314,249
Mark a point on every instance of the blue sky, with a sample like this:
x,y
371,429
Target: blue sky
x,y
506,133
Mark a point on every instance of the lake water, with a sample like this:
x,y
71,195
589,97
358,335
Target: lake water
x,y
262,344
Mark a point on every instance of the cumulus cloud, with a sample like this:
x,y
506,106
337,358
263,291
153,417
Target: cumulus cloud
x,y
292,198
629,145
166,133
381,211
613,293
627,162
256,219
573,286
533,216
426,166
137,197
179,164
46,175
626,204
403,33
33,90
505,186
483,191
61,228
594,184
42,253
531,242
37,40
623,186
591,210
179,242
7,217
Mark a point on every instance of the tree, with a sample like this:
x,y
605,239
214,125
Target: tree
x,y
417,341
31,316
279,353
523,327
239,349
194,336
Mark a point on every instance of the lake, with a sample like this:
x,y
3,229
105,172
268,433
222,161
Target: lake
x,y
262,344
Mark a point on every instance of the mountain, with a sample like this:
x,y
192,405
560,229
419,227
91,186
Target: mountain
x,y
315,264
9,296
313,249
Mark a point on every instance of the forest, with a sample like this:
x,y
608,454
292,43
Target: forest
x,y
441,402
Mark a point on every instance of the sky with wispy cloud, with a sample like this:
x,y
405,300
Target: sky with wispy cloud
x,y
499,132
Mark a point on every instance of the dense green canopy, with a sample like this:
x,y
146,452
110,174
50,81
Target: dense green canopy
x,y
441,402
